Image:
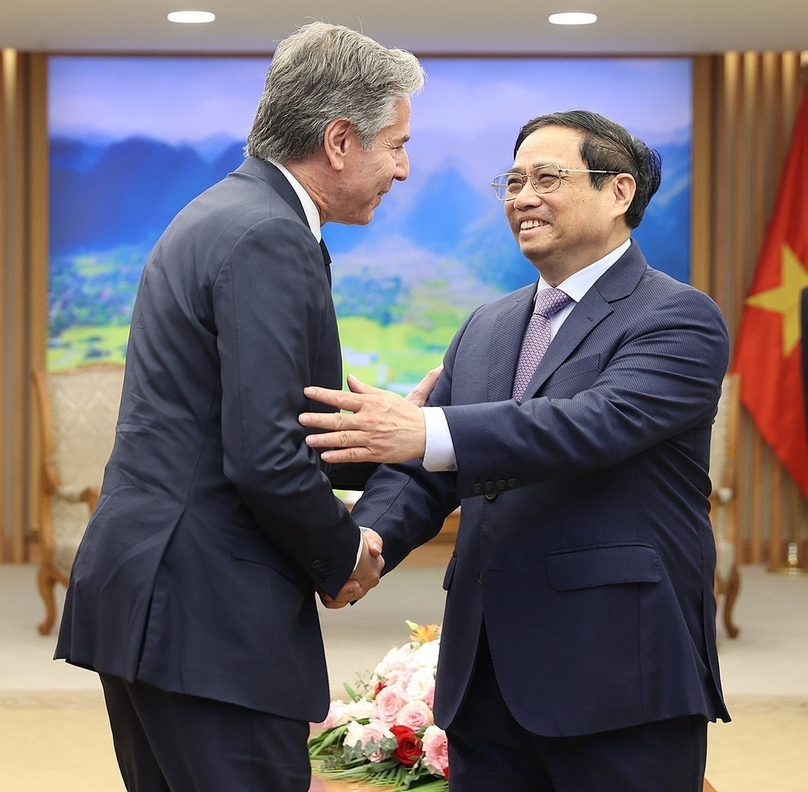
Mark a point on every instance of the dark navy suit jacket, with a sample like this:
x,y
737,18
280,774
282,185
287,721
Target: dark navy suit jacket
x,y
216,521
584,542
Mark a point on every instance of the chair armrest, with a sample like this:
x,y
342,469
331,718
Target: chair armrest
x,y
78,494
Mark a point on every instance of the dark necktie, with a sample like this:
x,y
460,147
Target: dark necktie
x,y
326,260
537,336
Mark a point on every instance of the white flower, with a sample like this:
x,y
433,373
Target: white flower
x,y
420,684
394,664
427,654
353,735
360,709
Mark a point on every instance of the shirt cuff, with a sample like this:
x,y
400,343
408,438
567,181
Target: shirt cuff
x,y
439,455
359,550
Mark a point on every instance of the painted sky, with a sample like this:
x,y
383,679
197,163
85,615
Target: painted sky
x,y
468,99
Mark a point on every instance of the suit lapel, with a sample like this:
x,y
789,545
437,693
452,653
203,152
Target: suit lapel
x,y
267,172
617,282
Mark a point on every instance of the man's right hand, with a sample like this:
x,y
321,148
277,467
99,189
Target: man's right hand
x,y
365,576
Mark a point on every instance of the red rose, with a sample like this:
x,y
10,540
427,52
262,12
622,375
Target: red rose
x,y
409,749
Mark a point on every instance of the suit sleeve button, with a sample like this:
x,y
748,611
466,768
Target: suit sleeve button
x,y
477,489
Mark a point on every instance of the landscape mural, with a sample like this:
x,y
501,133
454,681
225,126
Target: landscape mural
x,y
133,139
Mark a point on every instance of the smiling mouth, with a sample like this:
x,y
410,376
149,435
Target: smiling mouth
x,y
527,225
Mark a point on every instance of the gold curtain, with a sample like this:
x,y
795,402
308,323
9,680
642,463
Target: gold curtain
x,y
752,98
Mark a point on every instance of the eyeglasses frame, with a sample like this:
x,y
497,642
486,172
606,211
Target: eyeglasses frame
x,y
525,177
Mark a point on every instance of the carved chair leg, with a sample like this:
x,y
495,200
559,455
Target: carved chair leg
x,y
732,589
46,580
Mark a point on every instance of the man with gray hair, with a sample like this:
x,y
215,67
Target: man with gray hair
x,y
193,590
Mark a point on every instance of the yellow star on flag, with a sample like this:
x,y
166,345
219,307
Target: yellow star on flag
x,y
785,298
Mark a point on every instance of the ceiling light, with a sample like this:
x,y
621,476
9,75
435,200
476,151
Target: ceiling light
x,y
572,18
191,17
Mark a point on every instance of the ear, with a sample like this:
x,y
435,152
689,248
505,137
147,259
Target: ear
x,y
338,138
623,188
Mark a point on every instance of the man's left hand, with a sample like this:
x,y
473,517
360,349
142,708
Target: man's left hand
x,y
380,426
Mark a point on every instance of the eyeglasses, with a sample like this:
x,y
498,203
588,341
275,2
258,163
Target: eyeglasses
x,y
544,179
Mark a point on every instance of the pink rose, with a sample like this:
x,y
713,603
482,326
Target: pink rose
x,y
415,714
389,702
337,716
436,752
370,737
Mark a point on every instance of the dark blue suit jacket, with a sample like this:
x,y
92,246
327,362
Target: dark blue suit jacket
x,y
584,542
216,521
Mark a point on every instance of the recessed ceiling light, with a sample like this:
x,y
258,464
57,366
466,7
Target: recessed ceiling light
x,y
572,18
191,17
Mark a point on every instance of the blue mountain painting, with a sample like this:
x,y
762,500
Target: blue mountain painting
x,y
448,250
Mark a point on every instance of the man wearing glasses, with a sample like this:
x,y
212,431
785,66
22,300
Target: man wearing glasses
x,y
572,426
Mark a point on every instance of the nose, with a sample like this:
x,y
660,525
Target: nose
x,y
527,196
402,167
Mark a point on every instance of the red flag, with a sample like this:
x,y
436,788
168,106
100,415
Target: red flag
x,y
768,350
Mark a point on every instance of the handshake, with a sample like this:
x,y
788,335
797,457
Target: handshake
x,y
375,436
365,576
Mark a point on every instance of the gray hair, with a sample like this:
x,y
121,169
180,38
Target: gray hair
x,y
323,72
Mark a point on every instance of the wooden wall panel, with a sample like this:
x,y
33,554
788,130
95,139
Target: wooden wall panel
x,y
5,147
12,514
23,270
754,97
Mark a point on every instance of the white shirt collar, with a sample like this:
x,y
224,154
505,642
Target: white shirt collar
x,y
579,283
309,207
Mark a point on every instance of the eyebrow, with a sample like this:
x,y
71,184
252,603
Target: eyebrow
x,y
514,169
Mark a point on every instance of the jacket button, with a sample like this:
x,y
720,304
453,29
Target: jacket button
x,y
502,485
491,495
477,489
512,483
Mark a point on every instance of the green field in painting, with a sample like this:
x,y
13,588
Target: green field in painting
x,y
394,356
81,345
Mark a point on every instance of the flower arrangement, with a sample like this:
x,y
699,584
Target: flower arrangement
x,y
386,735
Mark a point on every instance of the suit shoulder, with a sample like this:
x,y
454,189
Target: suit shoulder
x,y
664,286
229,209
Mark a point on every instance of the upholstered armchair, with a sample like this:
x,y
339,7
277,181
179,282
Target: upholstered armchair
x,y
77,411
724,497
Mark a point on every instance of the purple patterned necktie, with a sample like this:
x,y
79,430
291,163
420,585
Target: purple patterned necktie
x,y
537,336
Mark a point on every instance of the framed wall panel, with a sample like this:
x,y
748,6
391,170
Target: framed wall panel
x,y
132,139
